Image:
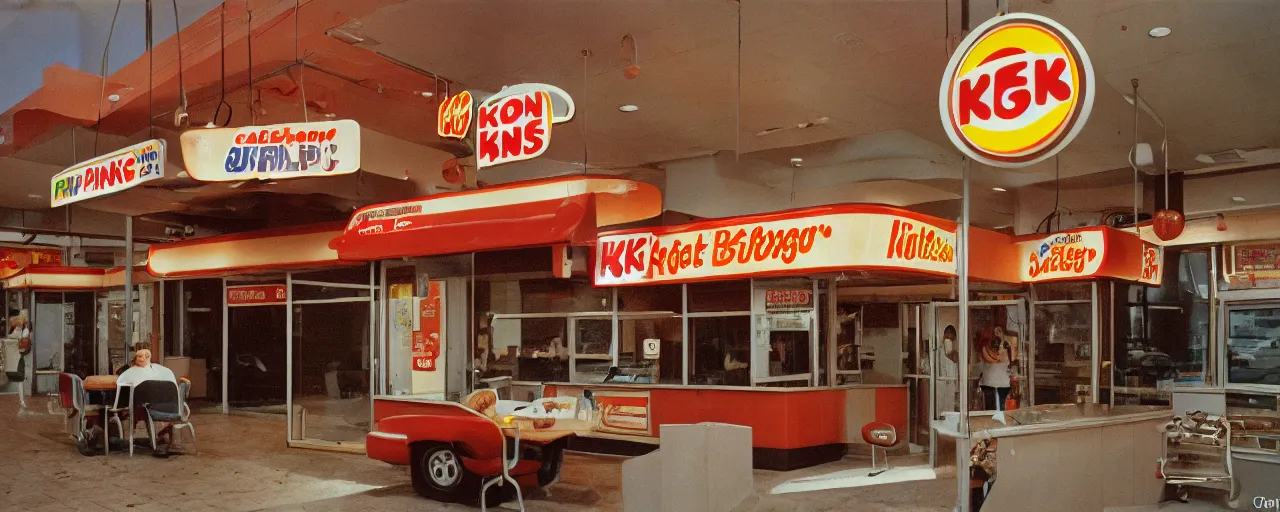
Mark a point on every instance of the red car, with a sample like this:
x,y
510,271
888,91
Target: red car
x,y
456,454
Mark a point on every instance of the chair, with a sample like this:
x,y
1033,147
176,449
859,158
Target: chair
x,y
112,415
879,435
507,465
163,401
74,402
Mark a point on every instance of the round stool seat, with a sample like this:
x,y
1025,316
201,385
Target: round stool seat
x,y
878,433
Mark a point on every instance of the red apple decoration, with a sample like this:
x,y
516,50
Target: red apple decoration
x,y
1169,224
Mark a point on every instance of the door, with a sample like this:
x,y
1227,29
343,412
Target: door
x,y
48,338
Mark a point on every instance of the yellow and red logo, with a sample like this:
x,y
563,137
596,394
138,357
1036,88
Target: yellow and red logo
x,y
1017,90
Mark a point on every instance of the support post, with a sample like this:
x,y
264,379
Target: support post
x,y
128,288
962,342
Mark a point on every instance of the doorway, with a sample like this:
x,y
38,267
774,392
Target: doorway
x,y
991,323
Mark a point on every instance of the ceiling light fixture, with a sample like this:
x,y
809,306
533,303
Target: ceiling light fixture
x,y
628,108
1237,199
1159,32
998,189
35,196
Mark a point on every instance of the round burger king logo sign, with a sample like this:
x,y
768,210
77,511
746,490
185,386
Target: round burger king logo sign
x,y
1017,90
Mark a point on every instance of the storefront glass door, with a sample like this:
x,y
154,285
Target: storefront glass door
x,y
330,358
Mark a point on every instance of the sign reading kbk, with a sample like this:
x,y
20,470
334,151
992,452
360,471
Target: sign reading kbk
x,y
1017,90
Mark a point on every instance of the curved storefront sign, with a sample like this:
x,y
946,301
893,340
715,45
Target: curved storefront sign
x,y
801,241
453,118
1017,90
108,174
292,150
1090,253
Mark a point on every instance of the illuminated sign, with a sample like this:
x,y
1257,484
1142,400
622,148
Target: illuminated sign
x,y
454,117
256,295
796,242
1063,256
515,124
294,150
108,174
1017,90
14,259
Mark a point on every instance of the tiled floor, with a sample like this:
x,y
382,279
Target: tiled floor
x,y
241,463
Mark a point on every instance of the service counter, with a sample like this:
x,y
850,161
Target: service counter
x,y
1076,457
791,427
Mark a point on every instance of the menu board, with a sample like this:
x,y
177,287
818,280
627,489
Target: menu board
x,y
1255,257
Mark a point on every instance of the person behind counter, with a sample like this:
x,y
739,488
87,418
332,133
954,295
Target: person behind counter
x,y
997,358
948,371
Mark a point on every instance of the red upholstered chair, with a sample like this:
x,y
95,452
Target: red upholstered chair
x,y
883,436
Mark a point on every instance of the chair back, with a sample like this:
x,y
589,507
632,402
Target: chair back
x,y
157,396
67,390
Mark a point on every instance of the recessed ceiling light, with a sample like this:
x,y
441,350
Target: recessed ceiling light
x,y
1237,199
1159,32
628,108
998,189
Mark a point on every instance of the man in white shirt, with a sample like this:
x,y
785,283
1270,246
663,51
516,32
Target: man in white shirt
x,y
144,370
948,372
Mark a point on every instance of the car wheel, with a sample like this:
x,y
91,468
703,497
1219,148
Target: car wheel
x,y
438,473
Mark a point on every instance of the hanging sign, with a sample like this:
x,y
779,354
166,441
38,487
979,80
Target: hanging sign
x,y
515,124
426,340
1063,256
109,173
257,295
454,117
1152,255
293,150
1017,90
820,239
788,300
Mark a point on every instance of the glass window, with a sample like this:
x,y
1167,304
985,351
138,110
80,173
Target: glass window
x,y
1253,342
529,349
1064,291
562,296
720,296
649,349
651,298
720,351
1162,341
1064,344
592,342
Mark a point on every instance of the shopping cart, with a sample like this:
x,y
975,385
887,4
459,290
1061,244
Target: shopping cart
x,y
1196,452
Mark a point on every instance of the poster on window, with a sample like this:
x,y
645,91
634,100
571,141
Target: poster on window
x,y
427,339
623,412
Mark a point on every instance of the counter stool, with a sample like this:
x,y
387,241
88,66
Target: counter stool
x,y
880,435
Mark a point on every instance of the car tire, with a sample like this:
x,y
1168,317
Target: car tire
x,y
438,473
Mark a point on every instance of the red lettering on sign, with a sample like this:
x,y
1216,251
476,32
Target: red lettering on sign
x,y
1012,88
513,128
909,242
1062,258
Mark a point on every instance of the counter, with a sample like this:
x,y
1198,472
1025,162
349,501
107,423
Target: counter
x,y
791,428
1072,457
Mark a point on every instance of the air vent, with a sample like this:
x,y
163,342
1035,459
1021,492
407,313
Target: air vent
x,y
1230,156
100,259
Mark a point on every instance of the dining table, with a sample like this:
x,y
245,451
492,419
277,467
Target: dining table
x,y
101,390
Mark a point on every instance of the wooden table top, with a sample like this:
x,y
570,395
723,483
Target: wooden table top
x,y
100,383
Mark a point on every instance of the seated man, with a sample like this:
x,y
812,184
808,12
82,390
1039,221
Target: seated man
x,y
144,370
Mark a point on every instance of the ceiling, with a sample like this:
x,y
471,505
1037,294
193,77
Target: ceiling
x,y
862,77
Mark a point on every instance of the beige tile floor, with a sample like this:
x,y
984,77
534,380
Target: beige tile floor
x,y
241,463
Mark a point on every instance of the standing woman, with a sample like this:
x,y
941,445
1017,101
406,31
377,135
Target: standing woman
x,y
997,358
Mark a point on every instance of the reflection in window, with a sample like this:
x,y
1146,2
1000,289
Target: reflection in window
x,y
720,352
1162,333
528,349
1253,342
662,333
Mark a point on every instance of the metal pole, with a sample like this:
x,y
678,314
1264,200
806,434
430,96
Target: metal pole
x,y
962,342
288,356
128,286
225,337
